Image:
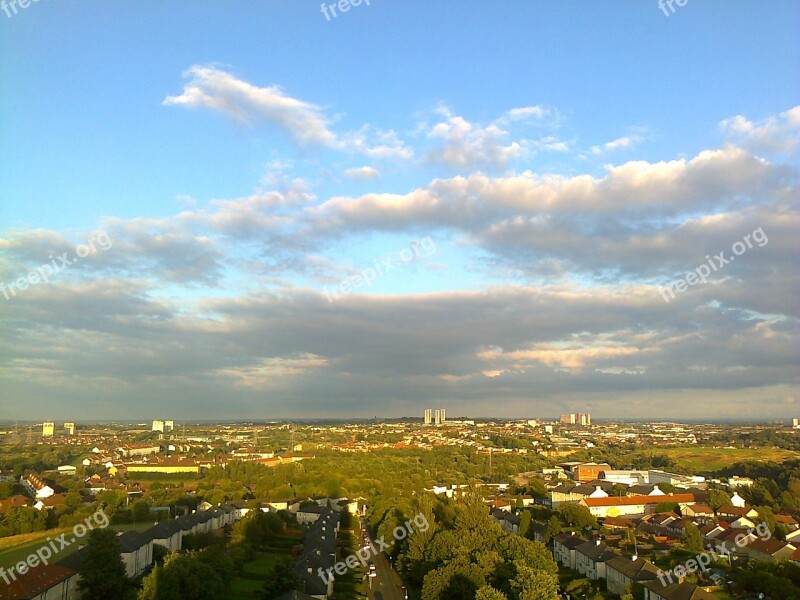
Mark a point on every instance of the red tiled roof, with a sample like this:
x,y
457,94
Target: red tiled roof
x,y
34,582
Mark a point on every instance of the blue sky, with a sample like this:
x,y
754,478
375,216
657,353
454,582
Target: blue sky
x,y
552,165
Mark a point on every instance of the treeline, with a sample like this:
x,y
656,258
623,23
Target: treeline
x,y
776,485
767,438
461,553
379,473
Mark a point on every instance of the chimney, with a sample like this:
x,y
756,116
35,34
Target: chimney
x,y
597,542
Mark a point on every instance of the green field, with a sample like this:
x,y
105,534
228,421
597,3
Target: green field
x,y
699,459
248,586
19,547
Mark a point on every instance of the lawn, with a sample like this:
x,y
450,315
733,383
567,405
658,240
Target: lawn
x,y
248,586
245,589
261,566
18,547
699,459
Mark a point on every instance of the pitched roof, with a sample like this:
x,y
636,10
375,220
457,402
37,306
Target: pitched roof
x,y
597,551
163,530
617,522
678,591
131,541
772,546
633,567
34,582
569,540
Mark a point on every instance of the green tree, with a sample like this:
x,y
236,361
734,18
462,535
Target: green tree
x,y
534,584
664,507
281,578
553,529
692,538
183,577
717,499
489,593
524,522
102,571
575,515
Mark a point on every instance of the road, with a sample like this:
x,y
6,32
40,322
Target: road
x,y
386,581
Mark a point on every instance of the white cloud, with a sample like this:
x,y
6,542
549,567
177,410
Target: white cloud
x,y
376,143
362,173
775,134
218,90
537,114
461,143
567,356
628,141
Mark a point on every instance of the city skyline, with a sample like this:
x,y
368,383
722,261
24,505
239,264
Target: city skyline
x,y
262,211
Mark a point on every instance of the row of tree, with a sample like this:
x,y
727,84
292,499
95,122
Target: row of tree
x,y
462,554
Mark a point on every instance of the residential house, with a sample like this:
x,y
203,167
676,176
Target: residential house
x,y
310,513
624,570
699,512
42,582
655,590
570,492
507,520
137,552
140,449
564,545
50,502
16,501
788,522
738,501
616,524
737,511
319,555
770,550
591,558
644,489
166,534
35,485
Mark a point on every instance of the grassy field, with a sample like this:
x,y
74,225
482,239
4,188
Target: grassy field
x,y
700,459
248,586
18,547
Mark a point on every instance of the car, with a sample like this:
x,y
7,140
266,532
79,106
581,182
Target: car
x,y
378,596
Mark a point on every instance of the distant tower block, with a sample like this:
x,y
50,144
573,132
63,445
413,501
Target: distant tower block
x,y
427,416
169,425
441,412
437,416
69,428
48,429
158,426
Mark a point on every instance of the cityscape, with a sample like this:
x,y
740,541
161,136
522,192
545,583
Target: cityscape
x,y
371,300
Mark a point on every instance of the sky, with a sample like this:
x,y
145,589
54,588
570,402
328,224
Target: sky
x,y
284,209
